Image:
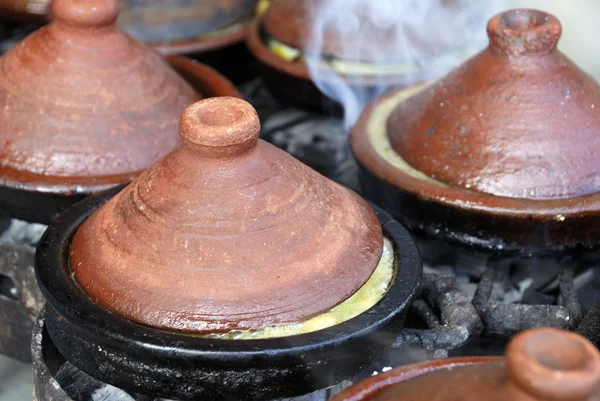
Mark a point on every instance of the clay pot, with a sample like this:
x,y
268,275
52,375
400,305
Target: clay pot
x,y
178,27
242,234
500,153
174,27
542,364
292,23
86,108
157,21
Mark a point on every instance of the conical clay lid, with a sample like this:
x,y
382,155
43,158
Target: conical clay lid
x,y
517,120
227,232
540,365
82,102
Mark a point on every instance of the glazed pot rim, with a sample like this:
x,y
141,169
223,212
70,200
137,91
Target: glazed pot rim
x,y
214,84
68,301
454,197
203,44
366,389
261,51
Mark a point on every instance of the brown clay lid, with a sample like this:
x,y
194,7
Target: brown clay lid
x,y
294,23
84,104
241,234
540,365
159,21
518,120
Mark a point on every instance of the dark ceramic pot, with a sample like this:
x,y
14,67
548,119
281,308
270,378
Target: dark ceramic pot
x,y
171,365
498,155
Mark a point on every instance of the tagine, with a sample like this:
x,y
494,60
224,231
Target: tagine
x,y
541,364
231,259
281,39
498,154
87,107
172,27
243,235
183,27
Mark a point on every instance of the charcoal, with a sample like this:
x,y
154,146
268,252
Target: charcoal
x,y
83,387
589,291
590,325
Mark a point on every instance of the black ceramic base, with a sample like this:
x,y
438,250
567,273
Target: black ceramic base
x,y
171,365
496,236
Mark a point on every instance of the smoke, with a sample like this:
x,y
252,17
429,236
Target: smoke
x,y
359,49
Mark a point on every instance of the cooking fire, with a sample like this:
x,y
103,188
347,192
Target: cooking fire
x,y
298,200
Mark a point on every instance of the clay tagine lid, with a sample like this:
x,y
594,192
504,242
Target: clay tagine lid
x,y
294,23
517,120
540,365
84,104
175,20
241,234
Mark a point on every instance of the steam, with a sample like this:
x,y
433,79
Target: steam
x,y
403,42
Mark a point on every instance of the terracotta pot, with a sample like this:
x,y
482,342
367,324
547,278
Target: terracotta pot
x,y
94,92
242,234
171,27
205,27
542,364
500,152
176,20
144,360
292,23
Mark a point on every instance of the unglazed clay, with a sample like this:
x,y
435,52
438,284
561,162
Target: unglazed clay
x,y
517,120
226,233
540,365
160,21
82,99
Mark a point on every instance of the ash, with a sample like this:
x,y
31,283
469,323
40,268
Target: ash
x,y
20,232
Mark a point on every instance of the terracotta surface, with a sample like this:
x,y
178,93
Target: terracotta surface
x,y
240,233
179,20
468,216
293,22
208,43
82,99
540,365
517,120
288,21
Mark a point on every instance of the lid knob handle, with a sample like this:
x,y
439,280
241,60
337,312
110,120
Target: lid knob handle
x,y
86,13
522,32
552,364
220,127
